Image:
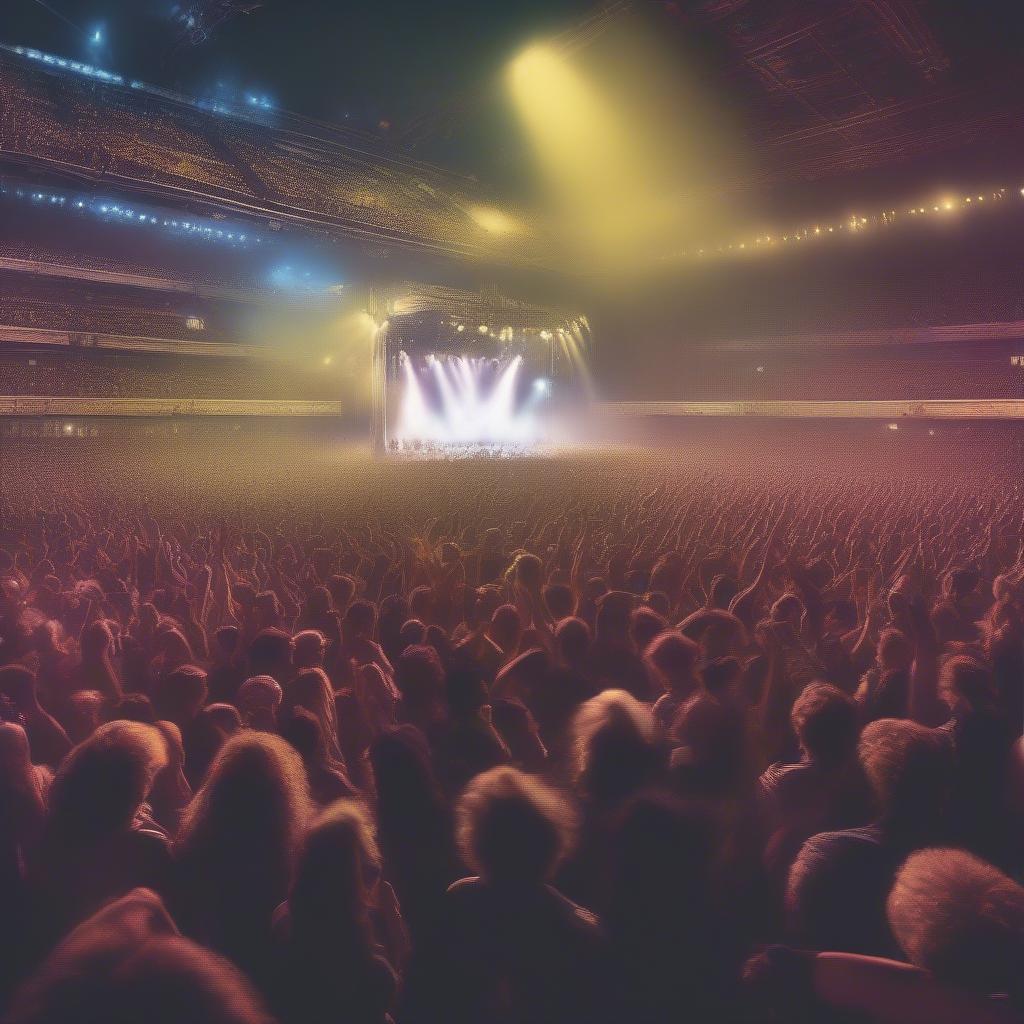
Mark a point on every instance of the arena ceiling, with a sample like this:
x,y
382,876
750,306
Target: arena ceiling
x,y
853,85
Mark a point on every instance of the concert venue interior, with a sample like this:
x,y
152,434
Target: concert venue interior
x,y
511,513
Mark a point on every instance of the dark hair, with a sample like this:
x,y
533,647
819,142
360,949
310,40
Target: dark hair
x,y
825,722
512,827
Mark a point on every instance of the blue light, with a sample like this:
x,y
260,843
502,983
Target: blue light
x,y
97,37
126,215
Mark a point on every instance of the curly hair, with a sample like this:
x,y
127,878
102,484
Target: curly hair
x,y
511,826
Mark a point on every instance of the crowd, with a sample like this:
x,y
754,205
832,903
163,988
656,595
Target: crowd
x,y
556,742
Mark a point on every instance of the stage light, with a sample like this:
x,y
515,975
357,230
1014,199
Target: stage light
x,y
68,428
482,329
468,403
328,360
542,386
894,426
460,328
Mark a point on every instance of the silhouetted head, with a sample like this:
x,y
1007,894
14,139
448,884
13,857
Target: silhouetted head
x,y
961,919
270,654
360,618
127,963
910,770
102,782
252,807
506,627
614,743
966,683
644,625
512,828
825,723
338,866
672,658
308,648
559,600
180,695
573,638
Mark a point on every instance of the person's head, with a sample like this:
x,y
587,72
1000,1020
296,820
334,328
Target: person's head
x,y
672,658
253,804
559,601
21,791
959,584
512,829
258,699
723,590
573,639
175,648
961,919
403,773
895,651
360,619
413,631
181,694
319,601
103,781
613,615
528,571
419,677
130,707
308,649
302,729
644,625
311,689
506,627
342,589
171,790
96,642
718,633
614,743
270,654
83,714
909,769
267,607
128,963
825,723
19,684
339,866
966,683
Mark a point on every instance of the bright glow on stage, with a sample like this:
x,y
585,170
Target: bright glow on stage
x,y
461,401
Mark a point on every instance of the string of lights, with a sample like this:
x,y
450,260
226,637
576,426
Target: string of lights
x,y
131,214
852,224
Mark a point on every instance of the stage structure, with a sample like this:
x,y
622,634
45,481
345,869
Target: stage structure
x,y
457,372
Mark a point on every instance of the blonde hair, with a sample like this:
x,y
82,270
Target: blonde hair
x,y
602,710
959,917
